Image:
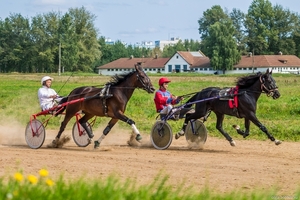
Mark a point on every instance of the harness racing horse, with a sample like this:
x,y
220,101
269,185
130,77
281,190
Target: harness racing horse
x,y
249,89
121,88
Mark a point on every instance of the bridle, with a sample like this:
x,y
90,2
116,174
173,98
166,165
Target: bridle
x,y
145,86
269,92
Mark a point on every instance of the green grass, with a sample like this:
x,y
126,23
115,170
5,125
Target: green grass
x,y
29,186
18,100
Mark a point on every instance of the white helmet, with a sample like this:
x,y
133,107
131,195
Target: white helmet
x,y
45,78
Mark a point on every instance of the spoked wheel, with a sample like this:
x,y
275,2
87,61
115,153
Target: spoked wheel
x,y
35,134
79,134
196,133
161,135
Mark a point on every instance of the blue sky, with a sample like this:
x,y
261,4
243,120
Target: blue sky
x,y
134,21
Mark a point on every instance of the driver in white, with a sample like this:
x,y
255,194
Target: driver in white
x,y
47,96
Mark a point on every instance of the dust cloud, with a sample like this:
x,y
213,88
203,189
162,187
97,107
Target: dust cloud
x,y
12,133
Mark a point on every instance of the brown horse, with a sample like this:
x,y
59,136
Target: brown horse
x,y
109,101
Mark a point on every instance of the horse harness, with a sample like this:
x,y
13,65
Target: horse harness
x,y
269,92
105,94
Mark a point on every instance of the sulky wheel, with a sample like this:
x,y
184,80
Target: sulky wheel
x,y
79,134
161,135
196,133
35,134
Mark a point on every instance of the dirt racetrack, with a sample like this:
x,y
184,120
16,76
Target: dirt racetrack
x,y
248,166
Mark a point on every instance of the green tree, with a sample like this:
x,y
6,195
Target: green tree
x,y
285,23
210,17
15,40
223,52
258,25
86,38
238,20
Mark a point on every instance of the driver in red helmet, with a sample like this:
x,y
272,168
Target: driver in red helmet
x,y
163,99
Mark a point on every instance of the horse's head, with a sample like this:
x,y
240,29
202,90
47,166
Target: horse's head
x,y
268,85
144,81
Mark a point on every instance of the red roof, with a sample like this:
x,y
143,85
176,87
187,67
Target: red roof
x,y
128,63
195,61
269,61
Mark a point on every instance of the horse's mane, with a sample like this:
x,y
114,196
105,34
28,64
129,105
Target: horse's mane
x,y
118,78
249,80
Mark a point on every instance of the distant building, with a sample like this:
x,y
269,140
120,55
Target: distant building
x,y
188,61
162,43
278,63
196,61
123,65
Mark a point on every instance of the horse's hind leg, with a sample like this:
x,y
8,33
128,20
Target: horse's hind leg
x,y
219,126
82,121
107,129
188,117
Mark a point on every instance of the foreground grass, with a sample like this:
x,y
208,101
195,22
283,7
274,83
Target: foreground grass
x,y
22,186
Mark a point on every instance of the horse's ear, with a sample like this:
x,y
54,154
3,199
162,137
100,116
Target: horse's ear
x,y
138,66
269,71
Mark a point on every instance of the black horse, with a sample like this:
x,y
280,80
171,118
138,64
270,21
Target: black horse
x,y
243,99
109,101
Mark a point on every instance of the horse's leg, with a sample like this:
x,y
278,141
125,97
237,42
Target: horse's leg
x,y
247,128
219,126
56,142
82,121
186,120
264,129
107,129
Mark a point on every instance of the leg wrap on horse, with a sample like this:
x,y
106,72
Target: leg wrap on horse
x,y
130,122
106,130
265,130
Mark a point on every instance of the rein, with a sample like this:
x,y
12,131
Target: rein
x,y
264,89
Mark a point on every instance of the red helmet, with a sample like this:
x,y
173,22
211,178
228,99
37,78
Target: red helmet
x,y
163,80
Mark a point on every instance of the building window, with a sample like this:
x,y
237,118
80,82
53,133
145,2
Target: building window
x,y
177,57
184,68
108,70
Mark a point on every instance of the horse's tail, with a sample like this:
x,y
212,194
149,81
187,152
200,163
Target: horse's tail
x,y
192,99
63,100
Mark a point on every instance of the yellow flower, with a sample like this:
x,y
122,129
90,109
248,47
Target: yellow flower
x,y
43,173
32,179
49,182
18,176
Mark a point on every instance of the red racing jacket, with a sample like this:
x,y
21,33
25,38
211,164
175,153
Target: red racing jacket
x,y
163,98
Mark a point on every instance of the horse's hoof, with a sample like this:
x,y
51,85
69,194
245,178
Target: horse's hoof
x,y
232,143
89,141
277,142
96,144
138,137
53,144
179,134
237,127
245,135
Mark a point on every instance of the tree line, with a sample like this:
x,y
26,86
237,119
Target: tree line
x,y
39,43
